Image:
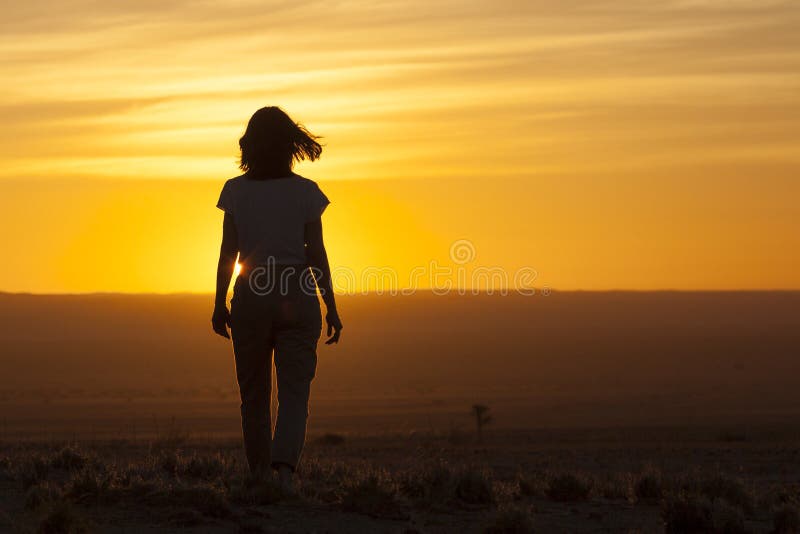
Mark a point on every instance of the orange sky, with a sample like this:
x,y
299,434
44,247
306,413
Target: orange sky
x,y
626,144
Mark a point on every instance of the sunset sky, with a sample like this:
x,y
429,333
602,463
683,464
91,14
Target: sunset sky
x,y
626,144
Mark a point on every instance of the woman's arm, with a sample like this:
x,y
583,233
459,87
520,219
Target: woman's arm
x,y
228,252
317,258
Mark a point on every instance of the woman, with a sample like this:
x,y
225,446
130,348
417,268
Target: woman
x,y
272,222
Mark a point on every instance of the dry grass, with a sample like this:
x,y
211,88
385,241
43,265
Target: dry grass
x,y
427,480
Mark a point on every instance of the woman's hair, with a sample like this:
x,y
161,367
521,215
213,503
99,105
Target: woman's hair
x,y
273,140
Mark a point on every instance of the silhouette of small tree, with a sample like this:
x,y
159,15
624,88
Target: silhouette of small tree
x,y
482,418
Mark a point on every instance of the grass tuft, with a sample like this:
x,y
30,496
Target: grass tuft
x,y
374,497
69,459
431,486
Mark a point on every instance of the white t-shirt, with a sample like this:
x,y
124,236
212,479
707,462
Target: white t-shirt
x,y
270,216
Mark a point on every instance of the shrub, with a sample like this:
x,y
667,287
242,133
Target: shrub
x,y
88,487
32,472
69,459
731,490
568,488
205,467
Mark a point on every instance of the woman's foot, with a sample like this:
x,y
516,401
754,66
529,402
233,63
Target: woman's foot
x,y
286,479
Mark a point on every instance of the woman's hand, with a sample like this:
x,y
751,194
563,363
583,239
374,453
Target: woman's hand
x,y
334,325
221,320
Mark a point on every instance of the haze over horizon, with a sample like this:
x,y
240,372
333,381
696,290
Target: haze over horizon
x,y
606,145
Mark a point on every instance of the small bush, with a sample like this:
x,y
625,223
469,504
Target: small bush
x,y
786,520
568,488
731,490
32,472
510,520
205,467
69,459
88,487
474,487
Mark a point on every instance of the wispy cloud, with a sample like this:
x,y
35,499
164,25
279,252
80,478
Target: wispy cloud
x,y
98,75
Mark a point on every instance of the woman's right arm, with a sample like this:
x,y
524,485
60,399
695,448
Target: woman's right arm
x,y
228,252
317,258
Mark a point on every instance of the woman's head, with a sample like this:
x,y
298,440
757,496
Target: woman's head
x,y
273,141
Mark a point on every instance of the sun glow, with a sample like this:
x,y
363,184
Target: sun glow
x,y
607,148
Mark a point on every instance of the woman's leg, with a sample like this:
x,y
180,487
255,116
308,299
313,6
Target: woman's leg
x,y
253,353
295,365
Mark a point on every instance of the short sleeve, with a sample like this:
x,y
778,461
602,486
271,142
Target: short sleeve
x,y
225,202
317,203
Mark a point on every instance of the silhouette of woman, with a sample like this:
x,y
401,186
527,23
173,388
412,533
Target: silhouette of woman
x,y
272,222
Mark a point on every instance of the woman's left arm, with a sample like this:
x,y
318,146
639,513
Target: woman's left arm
x,y
228,252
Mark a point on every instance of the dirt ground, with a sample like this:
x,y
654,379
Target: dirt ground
x,y
592,480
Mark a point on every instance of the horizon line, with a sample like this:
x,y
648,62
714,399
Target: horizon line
x,y
483,292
